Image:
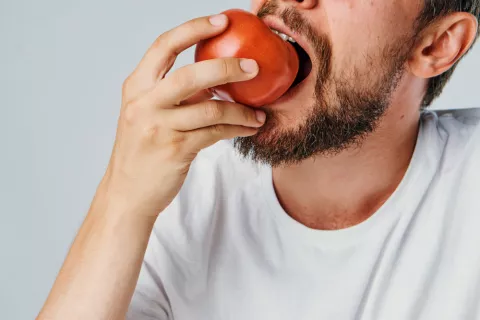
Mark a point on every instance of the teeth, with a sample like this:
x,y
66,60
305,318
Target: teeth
x,y
283,36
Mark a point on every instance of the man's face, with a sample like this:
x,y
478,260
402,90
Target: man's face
x,y
358,50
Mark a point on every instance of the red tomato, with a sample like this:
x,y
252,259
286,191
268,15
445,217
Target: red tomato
x,y
248,37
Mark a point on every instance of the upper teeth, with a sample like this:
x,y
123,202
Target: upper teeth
x,y
283,36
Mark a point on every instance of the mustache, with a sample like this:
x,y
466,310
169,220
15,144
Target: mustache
x,y
290,17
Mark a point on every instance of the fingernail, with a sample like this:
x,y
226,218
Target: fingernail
x,y
249,65
218,20
260,116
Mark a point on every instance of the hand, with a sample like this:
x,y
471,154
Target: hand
x,y
166,120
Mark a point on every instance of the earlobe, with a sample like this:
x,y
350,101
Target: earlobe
x,y
442,44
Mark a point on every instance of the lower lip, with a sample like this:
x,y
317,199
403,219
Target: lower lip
x,y
293,91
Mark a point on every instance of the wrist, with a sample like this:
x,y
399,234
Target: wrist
x,y
121,201
115,207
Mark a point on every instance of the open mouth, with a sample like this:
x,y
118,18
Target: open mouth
x,y
305,66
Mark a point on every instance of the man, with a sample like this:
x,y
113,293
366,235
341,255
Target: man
x,y
351,201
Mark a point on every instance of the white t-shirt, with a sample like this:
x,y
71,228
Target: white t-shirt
x,y
226,249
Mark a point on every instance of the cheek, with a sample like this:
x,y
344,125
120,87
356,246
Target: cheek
x,y
358,31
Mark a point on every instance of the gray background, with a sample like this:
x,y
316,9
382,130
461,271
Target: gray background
x,y
62,64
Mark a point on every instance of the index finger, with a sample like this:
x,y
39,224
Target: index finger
x,y
161,56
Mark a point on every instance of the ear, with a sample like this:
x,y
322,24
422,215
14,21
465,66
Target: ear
x,y
442,44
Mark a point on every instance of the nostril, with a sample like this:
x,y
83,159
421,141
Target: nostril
x,y
307,4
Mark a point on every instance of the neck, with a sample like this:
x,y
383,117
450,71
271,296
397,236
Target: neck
x,y
341,191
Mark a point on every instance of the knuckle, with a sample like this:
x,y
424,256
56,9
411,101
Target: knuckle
x,y
213,110
195,26
149,132
168,39
176,146
177,138
160,40
127,83
174,139
172,152
225,69
163,47
191,27
131,112
248,115
184,79
217,129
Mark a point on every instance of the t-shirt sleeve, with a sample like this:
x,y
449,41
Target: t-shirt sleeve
x,y
175,248
149,301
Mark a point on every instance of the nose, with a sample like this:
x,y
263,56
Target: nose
x,y
255,5
303,4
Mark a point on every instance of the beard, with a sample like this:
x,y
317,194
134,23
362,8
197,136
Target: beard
x,y
345,108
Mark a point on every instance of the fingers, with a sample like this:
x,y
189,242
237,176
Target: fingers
x,y
202,138
188,80
160,57
198,97
210,113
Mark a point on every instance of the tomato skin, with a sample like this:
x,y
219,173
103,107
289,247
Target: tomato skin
x,y
248,37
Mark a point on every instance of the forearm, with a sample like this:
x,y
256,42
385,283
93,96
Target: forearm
x,y
100,272
155,145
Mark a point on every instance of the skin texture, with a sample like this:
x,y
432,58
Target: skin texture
x,y
166,119
345,107
371,68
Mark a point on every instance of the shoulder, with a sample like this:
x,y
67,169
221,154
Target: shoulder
x,y
463,120
456,135
215,176
215,173
222,163
459,128
189,234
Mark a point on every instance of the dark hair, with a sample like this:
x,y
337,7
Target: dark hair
x,y
432,11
